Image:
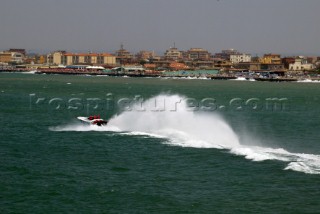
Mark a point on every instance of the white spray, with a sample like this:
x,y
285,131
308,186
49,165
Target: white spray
x,y
169,117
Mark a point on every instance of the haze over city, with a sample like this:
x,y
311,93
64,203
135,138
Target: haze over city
x,y
252,26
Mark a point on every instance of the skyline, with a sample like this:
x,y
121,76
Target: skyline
x,y
249,26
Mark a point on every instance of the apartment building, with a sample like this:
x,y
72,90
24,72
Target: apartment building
x,y
173,54
64,58
198,54
5,57
301,64
145,55
237,58
270,59
8,56
225,54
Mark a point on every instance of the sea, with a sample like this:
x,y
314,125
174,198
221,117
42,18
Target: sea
x,y
170,146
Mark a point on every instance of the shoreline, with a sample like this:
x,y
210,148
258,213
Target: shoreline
x,y
161,75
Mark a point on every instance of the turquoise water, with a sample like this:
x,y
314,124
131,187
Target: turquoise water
x,y
224,156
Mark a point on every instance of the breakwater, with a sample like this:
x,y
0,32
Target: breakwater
x,y
63,71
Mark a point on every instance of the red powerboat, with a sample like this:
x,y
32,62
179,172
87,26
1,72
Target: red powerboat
x,y
93,120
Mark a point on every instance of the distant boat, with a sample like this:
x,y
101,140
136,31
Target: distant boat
x,y
95,67
241,78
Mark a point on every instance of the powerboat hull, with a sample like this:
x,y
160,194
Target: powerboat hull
x,y
93,121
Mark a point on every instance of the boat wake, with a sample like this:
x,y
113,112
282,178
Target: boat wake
x,y
168,117
29,72
306,163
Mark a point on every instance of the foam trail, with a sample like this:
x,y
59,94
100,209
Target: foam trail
x,y
203,130
308,81
169,117
29,72
306,163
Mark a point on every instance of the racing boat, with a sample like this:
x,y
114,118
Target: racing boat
x,y
93,120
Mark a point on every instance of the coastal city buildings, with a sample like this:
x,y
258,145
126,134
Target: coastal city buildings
x,y
237,58
5,57
17,57
172,59
198,54
16,50
301,63
176,66
123,56
286,61
173,54
225,54
146,55
12,56
64,58
271,59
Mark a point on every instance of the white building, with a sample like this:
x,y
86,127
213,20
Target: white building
x,y
173,53
237,58
17,57
301,64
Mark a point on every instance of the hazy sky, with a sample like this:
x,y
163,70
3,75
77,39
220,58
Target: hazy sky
x,y
253,26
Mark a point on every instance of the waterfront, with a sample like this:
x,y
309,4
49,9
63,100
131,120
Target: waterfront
x,y
227,160
270,76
